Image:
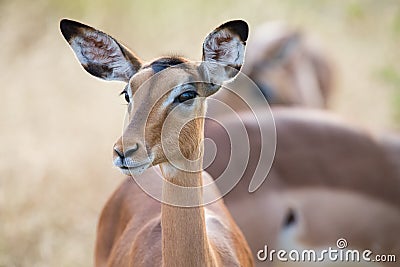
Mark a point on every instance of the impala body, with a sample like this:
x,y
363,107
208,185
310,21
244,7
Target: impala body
x,y
329,180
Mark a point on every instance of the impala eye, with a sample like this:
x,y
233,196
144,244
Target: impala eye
x,y
126,95
185,97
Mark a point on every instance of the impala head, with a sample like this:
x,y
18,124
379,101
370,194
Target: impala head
x,y
289,66
166,96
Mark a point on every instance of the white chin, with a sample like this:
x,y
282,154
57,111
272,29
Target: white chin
x,y
134,171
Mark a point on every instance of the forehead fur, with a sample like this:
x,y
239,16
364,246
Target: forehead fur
x,y
157,82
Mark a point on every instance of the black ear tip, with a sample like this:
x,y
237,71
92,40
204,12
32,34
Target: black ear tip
x,y
70,28
239,27
67,28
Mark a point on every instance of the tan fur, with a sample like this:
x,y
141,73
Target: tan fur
x,y
189,139
129,230
339,181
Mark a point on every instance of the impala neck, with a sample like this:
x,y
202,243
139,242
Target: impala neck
x,y
184,236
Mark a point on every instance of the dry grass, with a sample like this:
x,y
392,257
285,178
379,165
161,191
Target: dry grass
x,y
58,124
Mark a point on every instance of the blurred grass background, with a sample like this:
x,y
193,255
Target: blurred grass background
x,y
58,124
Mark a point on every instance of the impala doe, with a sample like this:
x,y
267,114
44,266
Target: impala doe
x,y
289,67
134,229
329,180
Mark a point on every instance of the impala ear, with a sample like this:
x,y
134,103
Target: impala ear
x,y
100,54
223,51
286,45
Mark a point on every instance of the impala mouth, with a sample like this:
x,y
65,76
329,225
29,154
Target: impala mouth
x,y
132,169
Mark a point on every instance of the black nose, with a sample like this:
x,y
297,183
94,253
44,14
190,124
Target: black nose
x,y
119,153
128,151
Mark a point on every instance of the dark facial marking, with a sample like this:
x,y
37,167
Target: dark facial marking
x,y
267,91
290,218
165,62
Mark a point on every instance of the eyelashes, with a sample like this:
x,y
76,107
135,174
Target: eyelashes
x,y
185,96
126,95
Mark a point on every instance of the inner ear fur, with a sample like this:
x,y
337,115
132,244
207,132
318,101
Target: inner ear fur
x,y
223,51
99,53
